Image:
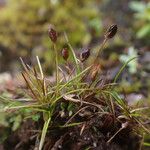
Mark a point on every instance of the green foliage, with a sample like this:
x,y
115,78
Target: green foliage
x,y
24,23
73,88
133,64
142,18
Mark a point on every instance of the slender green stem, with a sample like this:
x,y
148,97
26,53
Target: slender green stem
x,y
146,144
74,57
77,76
100,49
114,135
73,91
57,70
44,131
73,53
122,68
56,65
40,67
19,107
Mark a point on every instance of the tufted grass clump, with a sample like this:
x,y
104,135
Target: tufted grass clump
x,y
77,88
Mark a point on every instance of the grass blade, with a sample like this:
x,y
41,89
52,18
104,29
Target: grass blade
x,y
44,131
122,68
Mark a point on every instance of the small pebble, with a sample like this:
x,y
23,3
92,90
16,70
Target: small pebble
x,y
88,139
85,138
60,146
94,144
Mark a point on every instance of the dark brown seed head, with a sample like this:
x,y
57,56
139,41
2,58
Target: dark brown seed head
x,y
65,53
112,30
84,55
52,34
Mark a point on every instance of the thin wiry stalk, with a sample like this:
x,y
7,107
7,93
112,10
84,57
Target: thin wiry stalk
x,y
71,124
24,65
80,101
73,53
75,114
28,84
77,76
42,76
141,124
37,79
100,49
44,131
122,68
21,106
56,65
73,91
114,135
57,71
40,68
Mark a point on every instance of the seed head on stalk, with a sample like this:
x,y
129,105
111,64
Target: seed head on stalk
x,y
52,34
112,30
85,54
65,54
110,33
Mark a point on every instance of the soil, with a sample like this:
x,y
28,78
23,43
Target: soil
x,y
92,134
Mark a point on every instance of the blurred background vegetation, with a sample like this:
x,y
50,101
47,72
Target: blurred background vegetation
x,y
23,33
24,24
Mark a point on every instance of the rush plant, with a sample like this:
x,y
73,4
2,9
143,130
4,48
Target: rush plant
x,y
81,87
